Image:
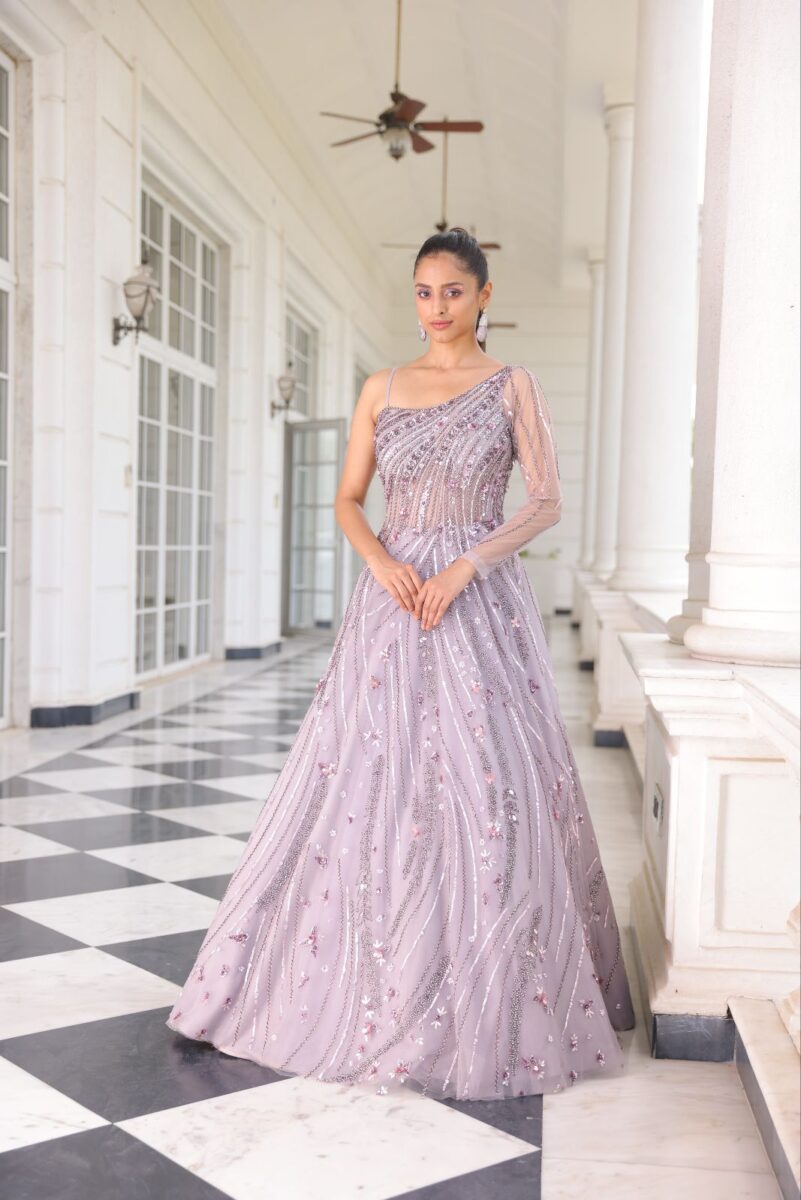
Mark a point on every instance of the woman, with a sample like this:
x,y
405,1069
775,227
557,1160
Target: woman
x,y
422,901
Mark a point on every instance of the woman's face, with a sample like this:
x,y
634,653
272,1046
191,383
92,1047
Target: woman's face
x,y
447,297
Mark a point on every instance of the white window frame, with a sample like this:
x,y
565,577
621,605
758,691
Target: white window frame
x,y
294,320
154,345
8,283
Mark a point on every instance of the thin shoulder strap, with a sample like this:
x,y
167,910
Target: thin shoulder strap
x,y
389,385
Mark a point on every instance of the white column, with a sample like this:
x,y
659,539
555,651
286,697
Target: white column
x,y
661,301
595,265
748,428
619,120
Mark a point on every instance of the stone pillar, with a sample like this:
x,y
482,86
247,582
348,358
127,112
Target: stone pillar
x,y
619,120
595,265
661,301
746,478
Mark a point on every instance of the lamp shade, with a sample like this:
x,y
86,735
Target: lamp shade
x,y
141,292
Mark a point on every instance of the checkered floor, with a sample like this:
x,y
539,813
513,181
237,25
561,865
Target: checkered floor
x,y
112,861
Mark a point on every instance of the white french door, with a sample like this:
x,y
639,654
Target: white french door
x,y
176,425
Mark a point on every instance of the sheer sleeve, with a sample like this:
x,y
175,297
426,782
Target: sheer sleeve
x,y
535,451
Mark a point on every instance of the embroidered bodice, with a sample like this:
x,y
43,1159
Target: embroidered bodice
x,y
449,464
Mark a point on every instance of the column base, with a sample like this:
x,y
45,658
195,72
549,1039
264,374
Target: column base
x,y
720,824
755,647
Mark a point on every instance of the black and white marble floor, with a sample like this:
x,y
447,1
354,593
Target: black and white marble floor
x,y
115,845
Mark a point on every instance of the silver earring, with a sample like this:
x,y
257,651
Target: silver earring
x,y
421,331
481,328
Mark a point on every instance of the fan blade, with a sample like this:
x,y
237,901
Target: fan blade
x,y
502,324
399,246
345,117
420,144
490,245
359,138
450,126
407,109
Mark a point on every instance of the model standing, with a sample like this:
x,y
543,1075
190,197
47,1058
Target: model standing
x,y
422,900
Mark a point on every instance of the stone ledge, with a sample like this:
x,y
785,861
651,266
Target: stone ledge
x,y
768,1065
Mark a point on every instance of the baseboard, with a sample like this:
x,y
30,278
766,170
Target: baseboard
x,y
240,652
586,664
613,738
56,716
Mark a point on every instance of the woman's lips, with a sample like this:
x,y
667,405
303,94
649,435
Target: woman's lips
x,y
440,324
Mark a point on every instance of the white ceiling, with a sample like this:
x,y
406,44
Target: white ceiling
x,y
531,70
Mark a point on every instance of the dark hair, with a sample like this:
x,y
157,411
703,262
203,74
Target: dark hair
x,y
463,246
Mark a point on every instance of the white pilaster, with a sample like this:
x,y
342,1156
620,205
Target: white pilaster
x,y
595,266
619,120
747,469
661,301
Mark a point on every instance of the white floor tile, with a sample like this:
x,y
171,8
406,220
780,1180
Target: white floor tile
x,y
235,816
567,1179
254,787
99,779
51,991
311,1140
690,1114
19,843
38,1112
122,914
64,806
271,761
190,733
142,756
181,858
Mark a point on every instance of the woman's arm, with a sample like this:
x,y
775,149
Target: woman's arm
x,y
535,451
399,579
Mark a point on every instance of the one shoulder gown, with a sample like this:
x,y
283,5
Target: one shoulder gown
x,y
422,901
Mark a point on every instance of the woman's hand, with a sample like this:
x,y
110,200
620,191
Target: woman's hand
x,y
398,578
436,593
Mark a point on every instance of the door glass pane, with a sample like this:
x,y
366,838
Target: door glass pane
x,y
314,542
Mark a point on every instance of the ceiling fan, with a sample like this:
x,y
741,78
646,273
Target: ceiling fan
x,y
396,125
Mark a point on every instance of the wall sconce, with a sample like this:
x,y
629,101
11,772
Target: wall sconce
x,y
286,387
141,293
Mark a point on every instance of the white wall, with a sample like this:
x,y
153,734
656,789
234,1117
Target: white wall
x,y
143,86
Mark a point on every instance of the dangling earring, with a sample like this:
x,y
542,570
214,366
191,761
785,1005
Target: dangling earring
x,y
421,331
481,328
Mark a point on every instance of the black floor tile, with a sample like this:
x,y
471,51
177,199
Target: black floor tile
x,y
211,885
265,730
519,1115
170,956
124,1067
517,1179
99,1164
21,938
236,747
155,723
63,875
208,768
99,833
152,797
66,762
18,785
117,739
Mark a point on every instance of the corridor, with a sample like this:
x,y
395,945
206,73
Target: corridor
x,y
115,853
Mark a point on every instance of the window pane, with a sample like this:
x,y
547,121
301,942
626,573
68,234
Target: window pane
x,y
4,115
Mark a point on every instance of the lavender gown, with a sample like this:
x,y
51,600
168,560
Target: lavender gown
x,y
422,901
